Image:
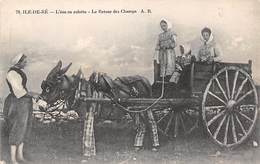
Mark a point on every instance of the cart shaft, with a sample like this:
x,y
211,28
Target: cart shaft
x,y
146,101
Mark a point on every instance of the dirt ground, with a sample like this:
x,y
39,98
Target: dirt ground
x,y
61,144
56,144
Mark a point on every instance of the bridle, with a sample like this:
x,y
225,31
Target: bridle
x,y
64,94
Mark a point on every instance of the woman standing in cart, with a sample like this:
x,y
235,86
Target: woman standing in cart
x,y
164,51
18,108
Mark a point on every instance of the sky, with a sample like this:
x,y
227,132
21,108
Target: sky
x,y
120,44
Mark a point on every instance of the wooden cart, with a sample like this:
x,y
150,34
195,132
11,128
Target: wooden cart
x,y
222,95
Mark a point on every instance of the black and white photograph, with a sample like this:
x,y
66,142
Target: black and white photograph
x,y
129,82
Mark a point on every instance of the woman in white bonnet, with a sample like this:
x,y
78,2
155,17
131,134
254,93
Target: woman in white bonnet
x,y
209,50
18,108
164,51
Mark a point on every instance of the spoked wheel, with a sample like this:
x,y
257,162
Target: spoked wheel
x,y
173,122
229,107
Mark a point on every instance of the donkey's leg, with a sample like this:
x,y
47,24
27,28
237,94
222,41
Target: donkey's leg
x,y
89,145
141,129
153,128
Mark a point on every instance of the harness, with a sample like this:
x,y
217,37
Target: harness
x,y
118,85
115,94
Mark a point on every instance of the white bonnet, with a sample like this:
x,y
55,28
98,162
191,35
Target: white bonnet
x,y
17,58
168,23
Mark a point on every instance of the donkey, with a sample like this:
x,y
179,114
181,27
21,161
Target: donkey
x,y
127,87
60,88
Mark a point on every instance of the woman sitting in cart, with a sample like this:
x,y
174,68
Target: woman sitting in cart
x,y
209,50
164,51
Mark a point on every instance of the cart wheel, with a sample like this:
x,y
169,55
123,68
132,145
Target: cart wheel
x,y
229,106
173,122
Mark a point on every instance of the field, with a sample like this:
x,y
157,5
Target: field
x,y
62,144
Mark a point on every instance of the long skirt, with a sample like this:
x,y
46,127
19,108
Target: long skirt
x,y
18,115
167,62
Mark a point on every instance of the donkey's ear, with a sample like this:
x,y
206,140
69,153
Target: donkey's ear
x,y
79,73
55,70
92,77
65,69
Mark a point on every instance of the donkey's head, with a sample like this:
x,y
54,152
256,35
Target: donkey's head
x,y
56,84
